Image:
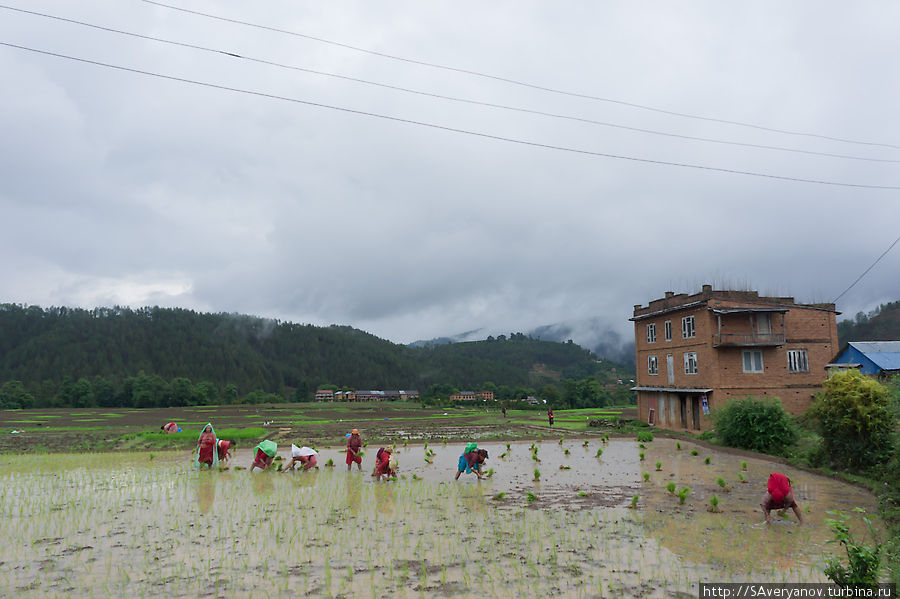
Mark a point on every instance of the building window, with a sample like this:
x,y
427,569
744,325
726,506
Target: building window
x,y
652,365
651,333
797,360
668,326
687,327
753,361
690,363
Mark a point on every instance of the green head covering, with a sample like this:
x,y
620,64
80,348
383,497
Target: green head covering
x,y
268,447
470,447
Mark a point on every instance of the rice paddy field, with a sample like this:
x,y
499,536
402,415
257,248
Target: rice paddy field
x,y
553,519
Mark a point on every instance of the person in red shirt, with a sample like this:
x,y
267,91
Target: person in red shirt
x,y
383,464
779,496
550,416
262,460
170,428
206,447
354,447
225,450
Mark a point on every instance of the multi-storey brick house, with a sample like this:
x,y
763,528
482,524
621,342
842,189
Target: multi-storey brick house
x,y
697,352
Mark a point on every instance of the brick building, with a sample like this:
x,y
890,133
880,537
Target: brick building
x,y
697,352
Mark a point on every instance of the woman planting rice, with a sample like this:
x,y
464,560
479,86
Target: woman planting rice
x,y
170,428
225,449
307,458
265,455
206,448
354,447
471,460
779,496
383,463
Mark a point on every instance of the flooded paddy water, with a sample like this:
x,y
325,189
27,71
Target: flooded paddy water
x,y
101,524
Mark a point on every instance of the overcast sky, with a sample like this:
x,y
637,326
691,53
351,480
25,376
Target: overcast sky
x,y
123,188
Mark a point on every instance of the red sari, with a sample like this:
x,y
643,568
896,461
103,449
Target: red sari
x,y
207,444
223,448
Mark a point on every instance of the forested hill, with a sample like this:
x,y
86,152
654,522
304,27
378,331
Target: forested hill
x,y
881,324
47,349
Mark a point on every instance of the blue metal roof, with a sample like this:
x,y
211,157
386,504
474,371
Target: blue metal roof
x,y
884,355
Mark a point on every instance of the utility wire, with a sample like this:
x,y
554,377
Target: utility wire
x,y
519,83
865,272
447,128
444,97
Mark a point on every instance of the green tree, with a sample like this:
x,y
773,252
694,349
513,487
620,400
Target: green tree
x,y
13,396
856,420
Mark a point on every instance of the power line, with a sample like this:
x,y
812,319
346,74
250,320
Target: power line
x,y
451,129
520,83
865,272
445,97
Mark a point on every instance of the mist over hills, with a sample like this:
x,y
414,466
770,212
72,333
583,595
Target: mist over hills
x,y
590,333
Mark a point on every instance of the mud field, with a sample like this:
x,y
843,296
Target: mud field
x,y
127,524
105,429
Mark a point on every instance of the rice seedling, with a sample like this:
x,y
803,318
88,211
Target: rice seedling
x,y
713,504
678,445
489,472
508,447
642,446
641,455
561,439
721,482
566,452
503,455
695,452
499,496
645,436
530,497
683,493
563,467
670,487
585,444
742,478
634,501
707,460
537,474
658,466
583,494
599,453
744,466
646,477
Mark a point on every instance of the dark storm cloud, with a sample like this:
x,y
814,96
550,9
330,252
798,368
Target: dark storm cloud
x,y
123,188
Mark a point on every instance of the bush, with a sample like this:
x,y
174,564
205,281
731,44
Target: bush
x,y
644,436
856,420
755,424
863,561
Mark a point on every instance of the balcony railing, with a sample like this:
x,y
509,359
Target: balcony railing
x,y
748,339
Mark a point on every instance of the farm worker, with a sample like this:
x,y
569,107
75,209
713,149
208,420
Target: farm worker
x,y
503,409
354,445
383,463
550,416
470,460
225,449
206,448
779,496
170,428
306,456
377,460
265,455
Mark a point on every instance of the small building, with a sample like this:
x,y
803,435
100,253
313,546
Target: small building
x,y
464,396
696,352
873,358
369,395
324,395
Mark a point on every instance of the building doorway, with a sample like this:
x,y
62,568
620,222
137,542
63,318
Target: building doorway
x,y
695,412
